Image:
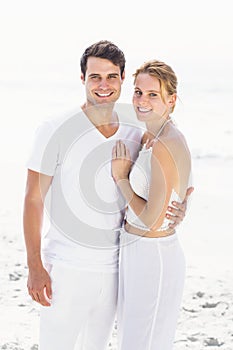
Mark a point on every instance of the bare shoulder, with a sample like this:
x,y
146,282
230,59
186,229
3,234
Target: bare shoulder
x,y
172,144
174,139
146,137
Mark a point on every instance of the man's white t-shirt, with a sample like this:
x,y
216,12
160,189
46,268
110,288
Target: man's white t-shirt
x,y
84,205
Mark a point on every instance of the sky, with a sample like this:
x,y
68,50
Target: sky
x,y
50,35
42,41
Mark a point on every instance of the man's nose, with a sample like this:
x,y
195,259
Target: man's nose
x,y
104,84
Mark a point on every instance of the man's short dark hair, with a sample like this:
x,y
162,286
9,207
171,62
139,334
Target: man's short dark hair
x,y
103,49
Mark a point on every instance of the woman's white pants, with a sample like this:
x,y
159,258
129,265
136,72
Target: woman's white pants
x,y
83,310
152,272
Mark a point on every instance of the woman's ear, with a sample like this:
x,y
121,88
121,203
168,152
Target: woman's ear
x,y
172,100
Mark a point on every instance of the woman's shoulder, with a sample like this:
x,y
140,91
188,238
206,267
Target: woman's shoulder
x,y
171,142
173,136
146,137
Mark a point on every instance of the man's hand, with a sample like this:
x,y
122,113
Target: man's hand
x,y
177,215
39,286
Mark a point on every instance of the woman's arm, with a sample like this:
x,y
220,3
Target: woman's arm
x,y
163,176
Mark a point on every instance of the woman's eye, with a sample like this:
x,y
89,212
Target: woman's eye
x,y
137,92
153,94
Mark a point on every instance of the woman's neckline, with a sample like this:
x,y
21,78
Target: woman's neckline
x,y
156,137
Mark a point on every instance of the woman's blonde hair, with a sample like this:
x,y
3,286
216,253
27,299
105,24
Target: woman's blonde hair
x,y
164,73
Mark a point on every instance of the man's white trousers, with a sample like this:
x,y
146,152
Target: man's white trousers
x,y
82,312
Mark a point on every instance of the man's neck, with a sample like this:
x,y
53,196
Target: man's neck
x,y
103,117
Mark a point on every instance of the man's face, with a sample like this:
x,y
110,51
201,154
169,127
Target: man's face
x,y
102,81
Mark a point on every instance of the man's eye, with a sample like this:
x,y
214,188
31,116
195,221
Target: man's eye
x,y
112,76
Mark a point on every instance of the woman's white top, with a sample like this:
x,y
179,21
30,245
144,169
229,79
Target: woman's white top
x,y
140,177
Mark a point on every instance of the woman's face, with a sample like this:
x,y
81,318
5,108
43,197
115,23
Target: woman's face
x,y
147,99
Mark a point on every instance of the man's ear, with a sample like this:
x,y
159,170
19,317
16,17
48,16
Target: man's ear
x,y
82,78
123,76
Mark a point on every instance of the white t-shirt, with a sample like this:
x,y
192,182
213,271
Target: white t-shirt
x,y
85,207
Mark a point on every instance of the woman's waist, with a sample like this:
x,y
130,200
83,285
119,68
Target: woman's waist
x,y
147,233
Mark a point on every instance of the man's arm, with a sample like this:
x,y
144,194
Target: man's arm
x,y
177,215
39,283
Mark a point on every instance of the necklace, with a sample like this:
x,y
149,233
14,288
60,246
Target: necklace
x,y
148,144
162,127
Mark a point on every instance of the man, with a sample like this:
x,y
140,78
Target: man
x,y
73,270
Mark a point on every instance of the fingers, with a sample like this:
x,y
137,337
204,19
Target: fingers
x,y
188,192
114,153
40,297
48,291
180,208
120,150
127,153
175,220
120,146
177,212
176,215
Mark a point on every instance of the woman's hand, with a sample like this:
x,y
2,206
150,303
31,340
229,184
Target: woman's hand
x,y
121,162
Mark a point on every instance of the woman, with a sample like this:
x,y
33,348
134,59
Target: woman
x,y
152,265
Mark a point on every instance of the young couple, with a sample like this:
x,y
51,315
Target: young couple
x,y
75,161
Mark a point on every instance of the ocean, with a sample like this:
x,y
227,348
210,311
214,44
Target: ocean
x,y
203,112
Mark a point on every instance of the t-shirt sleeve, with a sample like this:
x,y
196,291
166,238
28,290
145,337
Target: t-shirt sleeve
x,y
43,156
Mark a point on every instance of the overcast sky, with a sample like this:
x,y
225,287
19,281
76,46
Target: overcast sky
x,y
35,33
42,41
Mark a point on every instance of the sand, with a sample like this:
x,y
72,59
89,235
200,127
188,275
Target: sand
x,y
206,317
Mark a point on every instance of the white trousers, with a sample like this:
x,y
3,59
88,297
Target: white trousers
x,y
83,310
151,281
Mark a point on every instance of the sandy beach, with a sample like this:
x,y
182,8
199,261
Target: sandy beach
x,y
206,318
